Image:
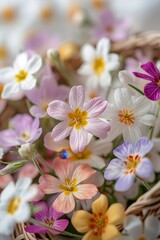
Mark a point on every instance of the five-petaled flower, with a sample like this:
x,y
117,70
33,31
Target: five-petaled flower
x,y
130,162
70,184
101,224
151,89
80,120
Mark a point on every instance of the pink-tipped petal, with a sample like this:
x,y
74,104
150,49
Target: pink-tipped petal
x,y
78,140
60,225
64,203
76,97
86,191
49,184
95,107
58,110
82,172
55,146
61,131
63,168
98,127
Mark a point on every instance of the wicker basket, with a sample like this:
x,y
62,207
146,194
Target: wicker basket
x,y
150,201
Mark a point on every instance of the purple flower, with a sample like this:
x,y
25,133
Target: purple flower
x,y
114,29
130,162
48,91
49,217
151,89
24,129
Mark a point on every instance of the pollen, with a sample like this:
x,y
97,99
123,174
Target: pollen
x,y
126,116
8,14
78,119
98,223
21,76
131,163
13,205
84,155
25,136
69,186
98,66
46,13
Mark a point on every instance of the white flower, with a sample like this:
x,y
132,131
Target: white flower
x,y
128,115
14,206
135,229
20,76
1,153
98,63
25,150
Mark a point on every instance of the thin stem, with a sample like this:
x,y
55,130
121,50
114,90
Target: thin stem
x,y
54,229
37,165
144,183
51,236
137,89
42,160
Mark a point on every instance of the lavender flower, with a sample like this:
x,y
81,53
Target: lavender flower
x,y
130,162
151,89
49,217
24,129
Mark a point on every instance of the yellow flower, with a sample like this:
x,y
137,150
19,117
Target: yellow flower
x,y
101,224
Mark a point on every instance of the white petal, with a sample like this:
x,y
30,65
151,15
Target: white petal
x,y
20,61
7,224
151,227
6,74
23,213
131,133
105,80
76,97
28,83
34,64
116,130
78,140
8,192
101,147
113,62
87,53
103,46
85,69
147,119
22,185
123,98
133,226
10,89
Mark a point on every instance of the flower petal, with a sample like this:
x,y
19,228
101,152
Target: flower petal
x,y
59,110
36,111
49,184
8,192
63,169
100,205
98,127
151,69
116,214
103,46
83,193
29,83
152,91
61,131
124,150
124,182
23,213
151,227
10,89
64,203
82,172
20,61
85,69
133,226
114,169
55,146
87,53
78,140
76,97
6,74
95,107
43,212
111,232
59,225
131,133
145,168
143,146
8,138
81,220
35,229
34,64
143,76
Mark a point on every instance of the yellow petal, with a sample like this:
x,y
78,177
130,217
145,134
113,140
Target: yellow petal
x,y
116,214
111,232
91,236
80,221
100,204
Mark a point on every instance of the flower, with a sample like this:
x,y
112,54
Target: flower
x,y
42,96
14,206
91,154
130,162
20,76
49,217
68,185
102,223
1,153
136,229
151,89
128,115
98,63
114,29
80,120
24,129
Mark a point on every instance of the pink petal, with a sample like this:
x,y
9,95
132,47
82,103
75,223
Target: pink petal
x,y
53,213
152,91
95,107
36,229
8,138
55,146
43,213
58,110
76,97
86,191
98,127
78,140
82,172
64,203
49,184
60,225
29,170
63,168
61,131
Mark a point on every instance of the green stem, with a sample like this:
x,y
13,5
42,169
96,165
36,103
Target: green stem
x,y
51,236
144,183
54,229
137,89
37,165
42,160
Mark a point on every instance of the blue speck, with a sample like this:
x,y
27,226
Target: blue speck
x,y
64,154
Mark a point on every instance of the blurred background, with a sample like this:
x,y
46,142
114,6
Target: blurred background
x,y
41,24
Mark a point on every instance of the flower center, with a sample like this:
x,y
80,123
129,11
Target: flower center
x,y
1,88
98,223
85,155
25,136
98,66
49,222
3,52
8,14
21,76
78,118
98,4
46,13
126,116
13,205
132,162
69,186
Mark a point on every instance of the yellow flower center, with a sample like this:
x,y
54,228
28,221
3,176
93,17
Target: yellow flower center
x,y
44,106
13,205
98,4
78,118
46,13
126,116
98,66
73,12
21,76
49,222
85,155
1,88
69,186
67,50
98,223
8,14
132,162
25,136
3,52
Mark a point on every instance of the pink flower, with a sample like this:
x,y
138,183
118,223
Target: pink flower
x,y
79,120
69,185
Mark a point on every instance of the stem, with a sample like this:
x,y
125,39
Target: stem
x,y
37,165
153,127
137,89
51,236
144,183
42,160
54,229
